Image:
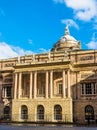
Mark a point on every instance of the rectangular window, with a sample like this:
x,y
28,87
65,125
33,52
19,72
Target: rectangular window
x,y
60,88
8,91
88,88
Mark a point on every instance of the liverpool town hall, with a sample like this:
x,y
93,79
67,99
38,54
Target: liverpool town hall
x,y
57,86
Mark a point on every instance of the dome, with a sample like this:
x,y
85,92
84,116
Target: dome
x,y
67,38
66,42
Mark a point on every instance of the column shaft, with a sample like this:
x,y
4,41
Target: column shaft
x,y
15,89
69,91
64,89
31,84
35,84
20,83
51,83
46,89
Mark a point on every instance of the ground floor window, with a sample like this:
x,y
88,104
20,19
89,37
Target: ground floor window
x,y
24,112
7,112
40,112
57,112
89,112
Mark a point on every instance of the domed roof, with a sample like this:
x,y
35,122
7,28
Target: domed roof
x,y
67,36
66,42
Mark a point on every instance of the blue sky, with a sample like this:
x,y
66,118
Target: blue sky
x,y
33,26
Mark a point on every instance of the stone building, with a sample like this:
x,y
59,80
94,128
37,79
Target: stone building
x,y
60,85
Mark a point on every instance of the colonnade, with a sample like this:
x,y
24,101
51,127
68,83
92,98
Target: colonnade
x,y
48,86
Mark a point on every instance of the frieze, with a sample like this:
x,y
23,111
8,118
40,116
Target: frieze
x,y
9,64
87,76
86,58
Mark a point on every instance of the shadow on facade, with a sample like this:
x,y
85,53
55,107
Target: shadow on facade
x,y
84,95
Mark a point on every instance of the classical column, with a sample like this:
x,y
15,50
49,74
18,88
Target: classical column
x,y
35,84
64,88
31,84
20,85
5,91
68,78
51,83
15,88
46,90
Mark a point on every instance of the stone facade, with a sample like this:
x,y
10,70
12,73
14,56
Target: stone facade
x,y
60,85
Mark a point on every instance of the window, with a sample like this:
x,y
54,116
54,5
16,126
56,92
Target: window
x,y
89,112
88,88
40,112
60,88
57,112
7,112
8,91
24,112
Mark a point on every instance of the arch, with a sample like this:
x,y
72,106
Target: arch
x,y
6,112
89,112
40,112
24,112
57,112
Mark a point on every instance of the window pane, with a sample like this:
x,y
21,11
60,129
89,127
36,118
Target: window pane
x,y
60,88
88,88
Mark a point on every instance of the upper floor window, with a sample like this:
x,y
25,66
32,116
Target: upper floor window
x,y
88,88
6,92
60,88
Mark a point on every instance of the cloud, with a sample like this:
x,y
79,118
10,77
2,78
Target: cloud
x,y
8,51
93,43
83,9
70,22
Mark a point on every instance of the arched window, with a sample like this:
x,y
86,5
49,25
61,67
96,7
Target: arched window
x,y
89,112
57,112
24,112
40,112
7,112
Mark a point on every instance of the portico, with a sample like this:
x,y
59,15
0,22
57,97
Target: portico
x,y
47,87
33,81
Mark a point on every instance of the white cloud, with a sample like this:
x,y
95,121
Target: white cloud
x,y
83,9
8,51
93,43
70,22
